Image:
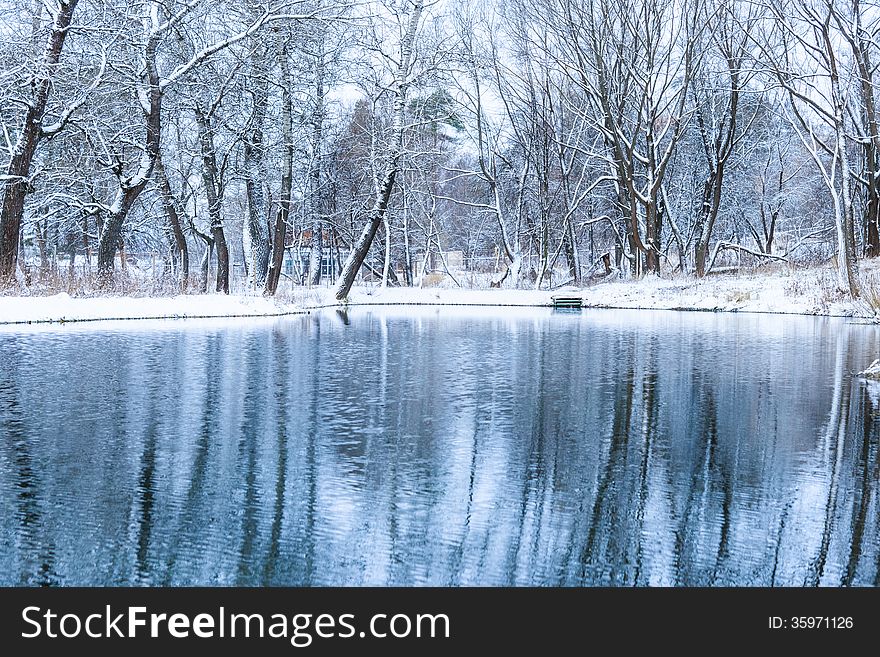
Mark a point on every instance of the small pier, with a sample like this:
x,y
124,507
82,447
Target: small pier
x,y
567,301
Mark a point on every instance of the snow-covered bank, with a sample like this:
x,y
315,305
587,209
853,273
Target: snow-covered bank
x,y
799,292
63,308
803,292
363,296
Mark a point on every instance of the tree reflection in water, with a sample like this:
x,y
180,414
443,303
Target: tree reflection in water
x,y
612,448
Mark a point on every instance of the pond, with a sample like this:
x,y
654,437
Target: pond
x,y
441,446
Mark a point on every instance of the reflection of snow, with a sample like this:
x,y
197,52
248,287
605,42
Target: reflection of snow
x,y
873,388
871,377
872,371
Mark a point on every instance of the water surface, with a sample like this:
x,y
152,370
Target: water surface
x,y
441,447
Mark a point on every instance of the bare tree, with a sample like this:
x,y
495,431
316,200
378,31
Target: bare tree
x,y
484,76
212,178
159,23
256,228
718,110
635,61
402,79
314,188
801,52
179,248
858,25
16,181
279,234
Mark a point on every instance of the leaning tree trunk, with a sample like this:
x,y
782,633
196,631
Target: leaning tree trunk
x,y
16,181
383,193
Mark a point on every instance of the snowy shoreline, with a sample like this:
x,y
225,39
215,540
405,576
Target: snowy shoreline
x,y
62,309
805,292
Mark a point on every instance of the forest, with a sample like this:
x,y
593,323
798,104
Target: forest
x,y
244,146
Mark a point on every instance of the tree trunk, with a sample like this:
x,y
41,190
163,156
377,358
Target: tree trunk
x,y
256,228
205,265
362,245
316,256
543,251
652,238
847,265
284,202
407,253
706,222
383,194
180,250
713,188
130,188
222,258
42,230
861,46
872,212
386,261
16,184
571,251
316,253
214,194
87,247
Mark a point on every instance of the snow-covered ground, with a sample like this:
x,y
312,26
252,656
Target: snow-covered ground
x,y
63,308
801,292
807,292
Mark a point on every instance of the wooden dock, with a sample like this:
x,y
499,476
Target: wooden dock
x,y
567,301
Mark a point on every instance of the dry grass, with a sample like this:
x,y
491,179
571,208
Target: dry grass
x,y
870,296
829,288
299,296
739,296
132,282
795,287
433,280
